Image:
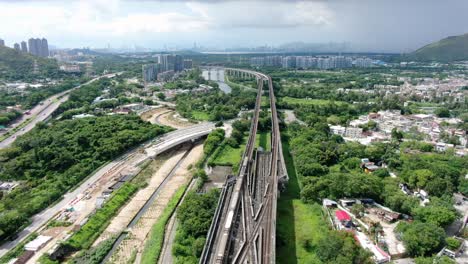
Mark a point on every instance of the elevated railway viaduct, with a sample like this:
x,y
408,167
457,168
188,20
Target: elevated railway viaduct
x,y
243,229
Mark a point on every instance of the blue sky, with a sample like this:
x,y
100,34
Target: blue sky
x,y
369,25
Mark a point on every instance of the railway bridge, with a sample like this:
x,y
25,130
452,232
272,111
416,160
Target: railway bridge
x,y
243,229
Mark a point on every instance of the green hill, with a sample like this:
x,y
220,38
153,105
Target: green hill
x,y
449,49
16,65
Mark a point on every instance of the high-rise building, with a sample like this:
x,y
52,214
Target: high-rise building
x,y
44,48
16,46
341,62
24,47
150,72
170,62
257,61
2,43
289,62
324,63
178,63
38,47
273,61
163,60
170,59
33,47
308,62
363,62
188,64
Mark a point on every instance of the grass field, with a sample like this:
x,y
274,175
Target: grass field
x,y
228,155
153,246
265,102
200,115
264,140
291,100
299,225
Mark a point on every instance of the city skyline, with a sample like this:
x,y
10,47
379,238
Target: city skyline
x,y
373,26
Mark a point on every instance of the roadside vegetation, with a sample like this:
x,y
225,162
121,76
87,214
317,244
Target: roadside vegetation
x,y
89,232
94,255
194,217
153,245
51,159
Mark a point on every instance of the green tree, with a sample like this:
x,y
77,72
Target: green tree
x,y
442,112
419,178
438,215
358,209
340,247
453,243
396,134
422,239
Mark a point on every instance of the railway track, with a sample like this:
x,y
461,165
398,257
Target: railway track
x,y
244,227
146,206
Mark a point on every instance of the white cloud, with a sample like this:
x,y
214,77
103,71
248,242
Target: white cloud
x,y
90,19
100,18
251,14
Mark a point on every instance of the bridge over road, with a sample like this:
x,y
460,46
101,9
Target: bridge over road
x,y
129,161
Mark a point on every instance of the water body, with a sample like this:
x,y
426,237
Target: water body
x,y
218,77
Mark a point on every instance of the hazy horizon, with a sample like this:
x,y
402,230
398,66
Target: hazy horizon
x,y
368,26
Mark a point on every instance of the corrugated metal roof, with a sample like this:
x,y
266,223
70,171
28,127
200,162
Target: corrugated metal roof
x,y
342,215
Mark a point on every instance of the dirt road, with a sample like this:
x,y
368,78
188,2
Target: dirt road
x,y
135,240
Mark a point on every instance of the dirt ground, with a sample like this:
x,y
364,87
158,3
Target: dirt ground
x,y
167,117
394,245
161,167
173,119
138,234
217,176
148,115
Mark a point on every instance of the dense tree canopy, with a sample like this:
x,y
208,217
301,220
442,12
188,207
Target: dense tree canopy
x,y
194,216
421,239
340,247
218,105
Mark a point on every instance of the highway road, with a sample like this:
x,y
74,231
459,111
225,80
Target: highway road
x,y
42,112
151,149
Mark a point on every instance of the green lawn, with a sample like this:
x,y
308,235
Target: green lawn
x,y
200,115
265,102
264,140
299,225
291,100
229,155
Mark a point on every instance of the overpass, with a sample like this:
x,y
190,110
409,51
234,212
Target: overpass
x,y
132,158
243,229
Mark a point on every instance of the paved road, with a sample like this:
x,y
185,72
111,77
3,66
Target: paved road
x,y
153,148
42,112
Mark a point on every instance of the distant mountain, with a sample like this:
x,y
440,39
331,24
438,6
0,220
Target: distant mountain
x,y
449,49
16,65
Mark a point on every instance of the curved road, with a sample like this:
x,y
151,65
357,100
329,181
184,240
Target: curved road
x,y
42,112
